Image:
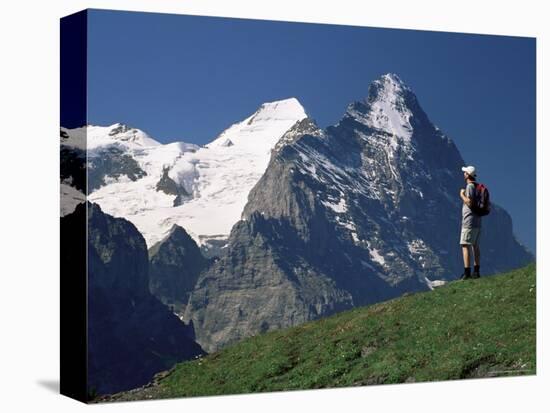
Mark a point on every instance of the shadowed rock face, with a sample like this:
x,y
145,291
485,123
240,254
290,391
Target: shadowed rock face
x,y
174,267
131,334
111,162
357,213
170,187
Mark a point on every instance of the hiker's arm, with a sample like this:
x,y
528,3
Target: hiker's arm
x,y
465,199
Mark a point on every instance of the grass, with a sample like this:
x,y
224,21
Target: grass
x,y
475,328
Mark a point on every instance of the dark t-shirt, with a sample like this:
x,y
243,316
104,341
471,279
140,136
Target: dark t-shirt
x,y
469,219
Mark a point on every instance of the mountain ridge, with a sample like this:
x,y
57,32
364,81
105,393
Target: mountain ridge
x,y
202,188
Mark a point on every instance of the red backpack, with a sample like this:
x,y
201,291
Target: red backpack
x,y
481,204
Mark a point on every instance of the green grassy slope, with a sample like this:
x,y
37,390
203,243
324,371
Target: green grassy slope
x,y
474,328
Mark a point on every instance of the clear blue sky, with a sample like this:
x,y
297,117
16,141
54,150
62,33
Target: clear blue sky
x,y
189,77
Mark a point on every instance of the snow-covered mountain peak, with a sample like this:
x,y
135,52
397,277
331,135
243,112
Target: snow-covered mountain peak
x,y
389,92
91,137
281,109
121,133
200,188
392,82
386,108
261,130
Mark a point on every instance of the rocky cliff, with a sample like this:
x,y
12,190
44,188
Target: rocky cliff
x,y
174,267
131,334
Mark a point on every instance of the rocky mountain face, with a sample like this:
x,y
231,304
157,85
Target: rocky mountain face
x,y
357,213
131,334
111,163
174,267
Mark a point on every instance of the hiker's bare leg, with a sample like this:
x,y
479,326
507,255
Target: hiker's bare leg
x,y
477,255
466,255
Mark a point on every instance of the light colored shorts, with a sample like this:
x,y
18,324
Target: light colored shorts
x,y
470,236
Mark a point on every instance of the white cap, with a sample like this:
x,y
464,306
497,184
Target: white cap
x,y
470,170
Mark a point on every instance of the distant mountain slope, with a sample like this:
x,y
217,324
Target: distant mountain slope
x,y
353,214
174,267
465,329
200,188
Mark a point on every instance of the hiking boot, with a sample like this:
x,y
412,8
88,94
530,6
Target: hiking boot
x,y
465,276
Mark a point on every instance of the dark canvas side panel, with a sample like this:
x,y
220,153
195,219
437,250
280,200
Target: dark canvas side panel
x,y
73,282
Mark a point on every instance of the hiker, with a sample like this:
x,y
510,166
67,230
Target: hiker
x,y
471,224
